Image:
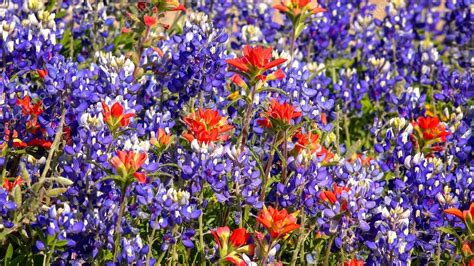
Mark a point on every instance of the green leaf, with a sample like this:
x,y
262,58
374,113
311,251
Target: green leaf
x,y
25,174
61,243
17,195
66,42
156,174
272,89
37,186
340,62
61,180
54,192
299,29
61,14
51,5
449,231
8,255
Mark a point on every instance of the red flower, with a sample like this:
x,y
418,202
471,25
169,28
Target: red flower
x,y
237,80
18,143
42,73
9,185
127,164
354,262
282,114
307,141
39,143
29,108
162,140
141,5
232,245
126,30
173,5
278,223
463,215
331,196
114,117
296,7
431,128
255,61
150,21
206,125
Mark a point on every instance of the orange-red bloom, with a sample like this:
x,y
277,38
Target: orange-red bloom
x,y
309,142
278,223
231,246
150,21
127,163
206,125
431,128
237,80
354,262
9,185
42,73
331,196
296,7
278,115
255,61
463,215
162,140
115,117
29,108
18,143
173,5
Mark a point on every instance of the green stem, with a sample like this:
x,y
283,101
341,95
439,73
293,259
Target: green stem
x,y
248,115
300,243
245,216
151,239
292,45
346,131
338,117
327,254
201,232
438,253
265,256
51,251
123,204
267,170
285,155
174,254
158,262
54,146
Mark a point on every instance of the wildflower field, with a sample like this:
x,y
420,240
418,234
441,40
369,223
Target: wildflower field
x,y
236,132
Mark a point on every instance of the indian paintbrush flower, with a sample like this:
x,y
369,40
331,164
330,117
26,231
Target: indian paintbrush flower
x,y
9,185
150,21
162,140
431,134
127,164
233,245
115,117
206,126
294,8
255,62
332,196
278,115
278,222
354,262
466,216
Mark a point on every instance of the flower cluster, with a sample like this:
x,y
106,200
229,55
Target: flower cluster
x,y
236,133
